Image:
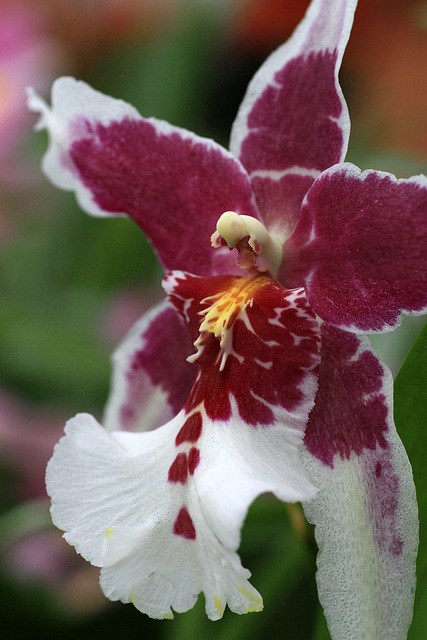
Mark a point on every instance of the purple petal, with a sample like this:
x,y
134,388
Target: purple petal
x,y
365,511
172,183
360,248
293,122
151,377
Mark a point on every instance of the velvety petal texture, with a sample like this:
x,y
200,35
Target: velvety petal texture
x,y
119,163
293,122
365,511
151,376
360,248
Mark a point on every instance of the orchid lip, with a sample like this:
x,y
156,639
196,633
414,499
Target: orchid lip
x,y
259,250
224,309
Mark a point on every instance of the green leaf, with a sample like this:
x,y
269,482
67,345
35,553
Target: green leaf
x,y
410,414
167,76
321,631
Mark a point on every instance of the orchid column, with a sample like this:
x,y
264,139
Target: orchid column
x,y
279,257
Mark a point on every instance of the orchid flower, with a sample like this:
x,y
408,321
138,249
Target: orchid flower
x,y
279,257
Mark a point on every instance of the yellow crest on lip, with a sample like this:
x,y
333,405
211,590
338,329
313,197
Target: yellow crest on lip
x,y
226,306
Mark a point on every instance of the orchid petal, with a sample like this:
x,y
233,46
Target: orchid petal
x,y
360,248
293,122
112,497
161,511
119,163
365,512
151,377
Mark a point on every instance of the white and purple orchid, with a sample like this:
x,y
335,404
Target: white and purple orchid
x,y
288,396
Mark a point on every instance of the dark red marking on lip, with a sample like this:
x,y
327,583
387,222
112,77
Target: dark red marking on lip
x,y
190,430
178,471
193,460
184,525
274,349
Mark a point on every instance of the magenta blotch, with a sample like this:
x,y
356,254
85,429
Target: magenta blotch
x,y
183,525
164,342
350,412
193,460
191,429
358,278
139,168
178,471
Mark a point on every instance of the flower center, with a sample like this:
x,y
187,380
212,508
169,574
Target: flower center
x,y
258,249
224,309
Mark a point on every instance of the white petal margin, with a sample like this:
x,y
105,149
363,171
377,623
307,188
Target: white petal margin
x,y
148,391
325,26
366,583
110,494
72,100
73,104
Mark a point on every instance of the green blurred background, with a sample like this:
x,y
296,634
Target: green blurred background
x,y
71,285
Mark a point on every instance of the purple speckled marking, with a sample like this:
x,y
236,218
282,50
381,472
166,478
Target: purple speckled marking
x,y
133,167
350,412
163,360
350,416
382,491
293,124
190,430
375,267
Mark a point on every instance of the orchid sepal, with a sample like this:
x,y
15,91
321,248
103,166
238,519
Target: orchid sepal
x,y
284,154
374,270
108,154
365,511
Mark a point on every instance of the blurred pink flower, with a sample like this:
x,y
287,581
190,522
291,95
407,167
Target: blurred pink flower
x,y
124,310
41,558
27,437
27,55
31,550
